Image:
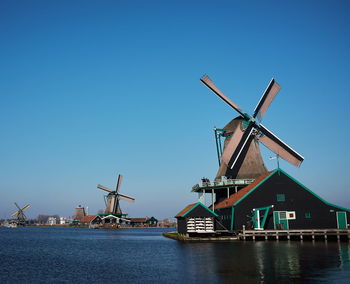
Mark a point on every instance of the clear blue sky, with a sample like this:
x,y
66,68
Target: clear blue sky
x,y
90,89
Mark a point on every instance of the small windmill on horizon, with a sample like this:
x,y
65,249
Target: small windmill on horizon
x,y
21,217
112,199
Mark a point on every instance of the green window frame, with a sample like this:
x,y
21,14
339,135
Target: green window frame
x,y
307,215
280,197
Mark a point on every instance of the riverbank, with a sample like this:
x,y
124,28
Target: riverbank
x,y
180,237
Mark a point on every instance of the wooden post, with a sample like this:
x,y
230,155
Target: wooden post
x,y
212,199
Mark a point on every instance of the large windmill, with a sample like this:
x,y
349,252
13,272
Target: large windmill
x,y
21,217
241,157
113,198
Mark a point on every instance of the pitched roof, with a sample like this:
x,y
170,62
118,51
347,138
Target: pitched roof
x,y
190,207
88,218
228,202
185,210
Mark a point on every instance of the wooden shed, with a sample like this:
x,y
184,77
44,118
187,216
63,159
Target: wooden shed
x,y
197,219
144,222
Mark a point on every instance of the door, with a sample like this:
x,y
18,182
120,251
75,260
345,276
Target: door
x,y
260,217
341,220
280,221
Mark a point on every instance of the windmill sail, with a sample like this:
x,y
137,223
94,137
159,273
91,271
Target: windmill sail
x,y
240,153
209,83
126,198
270,93
279,147
120,178
104,188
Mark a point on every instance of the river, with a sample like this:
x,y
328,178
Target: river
x,y
72,255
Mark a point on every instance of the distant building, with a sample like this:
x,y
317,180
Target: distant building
x,y
144,222
167,223
91,220
51,221
63,221
78,214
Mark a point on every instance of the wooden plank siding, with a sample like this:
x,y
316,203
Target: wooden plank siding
x,y
285,194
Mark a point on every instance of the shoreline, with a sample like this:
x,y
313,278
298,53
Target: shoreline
x,y
179,237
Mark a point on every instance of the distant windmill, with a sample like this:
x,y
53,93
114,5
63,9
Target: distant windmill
x,y
113,198
241,157
21,217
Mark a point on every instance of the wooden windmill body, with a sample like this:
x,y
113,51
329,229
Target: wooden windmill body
x,y
251,164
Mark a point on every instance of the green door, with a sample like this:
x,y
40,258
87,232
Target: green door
x,y
341,220
280,221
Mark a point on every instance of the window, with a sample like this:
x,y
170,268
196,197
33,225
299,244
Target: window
x,y
281,197
283,215
308,215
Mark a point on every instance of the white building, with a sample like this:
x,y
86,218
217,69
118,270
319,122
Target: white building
x,y
51,221
63,221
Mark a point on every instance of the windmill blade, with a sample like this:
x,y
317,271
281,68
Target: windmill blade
x,y
104,188
26,207
232,145
15,213
243,143
209,83
19,208
125,197
279,147
266,99
120,178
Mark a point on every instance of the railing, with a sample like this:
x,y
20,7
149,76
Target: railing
x,y
298,234
223,182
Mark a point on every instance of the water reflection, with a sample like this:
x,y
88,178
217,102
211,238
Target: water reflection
x,y
267,262
70,255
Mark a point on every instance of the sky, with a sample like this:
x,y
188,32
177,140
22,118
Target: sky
x,y
91,89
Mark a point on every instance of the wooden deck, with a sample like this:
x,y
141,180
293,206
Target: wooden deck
x,y
316,234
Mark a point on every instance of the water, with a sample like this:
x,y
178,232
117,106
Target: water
x,y
72,255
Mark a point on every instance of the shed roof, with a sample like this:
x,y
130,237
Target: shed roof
x,y
88,218
184,211
190,207
237,197
228,202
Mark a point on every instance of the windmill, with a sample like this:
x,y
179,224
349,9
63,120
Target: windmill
x,y
21,217
113,198
241,157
